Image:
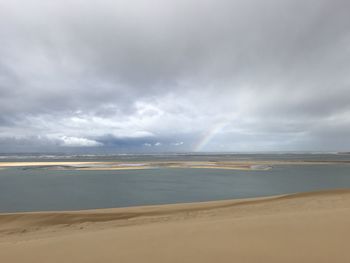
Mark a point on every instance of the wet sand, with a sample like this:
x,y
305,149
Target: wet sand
x,y
307,227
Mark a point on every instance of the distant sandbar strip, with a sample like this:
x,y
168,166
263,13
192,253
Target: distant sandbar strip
x,y
96,166
135,166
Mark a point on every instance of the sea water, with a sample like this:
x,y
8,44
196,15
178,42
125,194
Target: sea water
x,y
23,189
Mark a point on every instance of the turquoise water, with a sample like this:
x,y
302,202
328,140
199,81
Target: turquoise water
x,y
40,189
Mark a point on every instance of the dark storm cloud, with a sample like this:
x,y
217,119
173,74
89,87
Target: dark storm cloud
x,y
76,72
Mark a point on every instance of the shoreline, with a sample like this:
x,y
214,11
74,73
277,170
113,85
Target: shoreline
x,y
267,229
130,212
183,206
101,165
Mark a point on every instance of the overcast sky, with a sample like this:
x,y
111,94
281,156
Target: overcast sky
x,y
174,75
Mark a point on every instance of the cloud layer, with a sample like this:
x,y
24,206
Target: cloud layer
x,y
180,75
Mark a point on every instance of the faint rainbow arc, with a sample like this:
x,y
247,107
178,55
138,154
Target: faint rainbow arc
x,y
208,136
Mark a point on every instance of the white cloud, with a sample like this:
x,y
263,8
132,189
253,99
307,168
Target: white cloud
x,y
177,143
78,142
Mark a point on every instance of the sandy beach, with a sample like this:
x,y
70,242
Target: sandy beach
x,y
100,165
307,227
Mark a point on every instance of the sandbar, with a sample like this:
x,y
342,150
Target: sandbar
x,y
115,165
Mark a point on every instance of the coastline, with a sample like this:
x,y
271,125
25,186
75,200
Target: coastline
x,y
102,165
268,229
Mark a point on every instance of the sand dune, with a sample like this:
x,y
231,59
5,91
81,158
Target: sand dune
x,y
310,227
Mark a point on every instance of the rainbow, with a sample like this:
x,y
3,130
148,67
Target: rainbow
x,y
208,136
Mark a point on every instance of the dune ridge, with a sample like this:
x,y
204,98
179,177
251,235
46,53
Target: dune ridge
x,y
111,214
301,227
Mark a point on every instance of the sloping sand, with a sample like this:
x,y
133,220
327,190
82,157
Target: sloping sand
x,y
310,227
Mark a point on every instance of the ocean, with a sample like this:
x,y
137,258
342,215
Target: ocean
x,y
35,189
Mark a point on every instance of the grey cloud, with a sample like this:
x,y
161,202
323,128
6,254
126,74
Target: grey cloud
x,y
122,72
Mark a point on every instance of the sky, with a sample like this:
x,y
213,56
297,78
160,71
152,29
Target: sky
x,y
174,75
